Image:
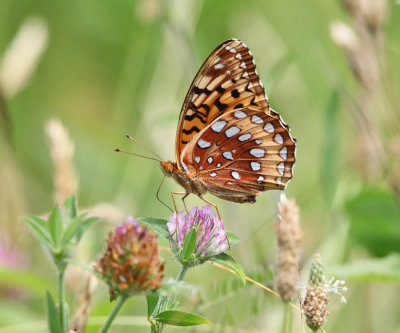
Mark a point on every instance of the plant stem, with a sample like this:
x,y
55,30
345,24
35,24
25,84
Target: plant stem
x,y
163,299
182,273
287,318
180,276
60,295
117,306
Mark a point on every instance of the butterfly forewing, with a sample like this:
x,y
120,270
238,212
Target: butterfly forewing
x,y
242,153
227,80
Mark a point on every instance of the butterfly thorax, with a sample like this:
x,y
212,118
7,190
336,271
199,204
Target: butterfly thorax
x,y
188,180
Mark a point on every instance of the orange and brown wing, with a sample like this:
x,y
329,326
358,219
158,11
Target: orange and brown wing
x,y
243,153
227,80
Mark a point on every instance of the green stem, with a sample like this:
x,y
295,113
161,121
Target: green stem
x,y
117,306
182,273
163,299
287,318
60,294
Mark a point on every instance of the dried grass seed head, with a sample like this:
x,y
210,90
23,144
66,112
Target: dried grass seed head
x,y
288,232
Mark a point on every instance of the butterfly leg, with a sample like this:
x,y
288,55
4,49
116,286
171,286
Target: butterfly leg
x,y
212,204
185,194
219,216
184,203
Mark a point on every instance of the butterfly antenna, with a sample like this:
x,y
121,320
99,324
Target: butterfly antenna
x,y
127,152
158,198
143,146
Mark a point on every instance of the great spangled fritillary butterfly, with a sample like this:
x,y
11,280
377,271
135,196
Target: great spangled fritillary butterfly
x,y
229,142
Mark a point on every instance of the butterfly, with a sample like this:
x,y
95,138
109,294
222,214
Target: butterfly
x,y
229,142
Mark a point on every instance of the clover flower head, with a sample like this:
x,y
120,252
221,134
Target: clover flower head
x,y
210,235
131,263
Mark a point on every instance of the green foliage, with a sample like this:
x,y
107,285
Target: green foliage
x,y
52,315
233,239
189,244
375,221
158,225
39,229
65,323
69,206
76,228
152,301
228,261
180,318
59,235
55,227
62,231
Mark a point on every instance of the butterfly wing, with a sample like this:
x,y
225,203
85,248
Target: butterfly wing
x,y
227,80
242,153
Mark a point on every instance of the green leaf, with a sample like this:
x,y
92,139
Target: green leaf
x,y
375,221
228,261
158,225
69,206
233,238
152,301
189,244
84,226
39,221
55,224
65,324
52,315
77,227
180,318
72,229
385,269
39,230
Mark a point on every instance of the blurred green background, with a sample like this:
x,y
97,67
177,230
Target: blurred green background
x,y
107,68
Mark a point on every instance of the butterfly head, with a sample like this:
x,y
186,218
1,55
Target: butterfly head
x,y
168,168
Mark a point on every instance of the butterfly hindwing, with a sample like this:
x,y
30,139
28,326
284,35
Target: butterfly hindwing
x,y
227,80
242,153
